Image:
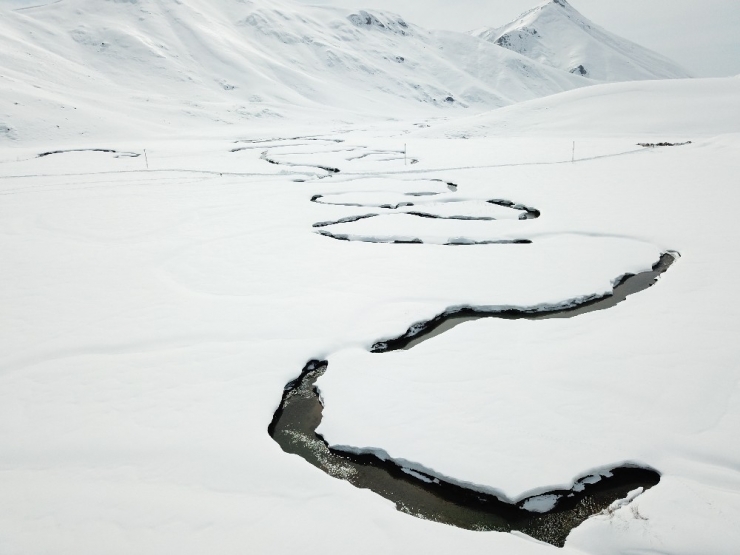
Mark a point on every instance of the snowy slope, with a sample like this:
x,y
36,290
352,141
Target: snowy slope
x,y
556,34
671,109
88,67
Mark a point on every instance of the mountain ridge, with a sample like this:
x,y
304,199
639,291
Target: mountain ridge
x,y
556,34
71,69
152,63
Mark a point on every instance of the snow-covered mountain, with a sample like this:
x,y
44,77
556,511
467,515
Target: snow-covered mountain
x,y
75,67
556,34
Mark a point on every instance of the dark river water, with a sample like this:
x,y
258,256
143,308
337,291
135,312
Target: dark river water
x,y
300,412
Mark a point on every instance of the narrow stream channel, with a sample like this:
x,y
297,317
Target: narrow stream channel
x,y
300,412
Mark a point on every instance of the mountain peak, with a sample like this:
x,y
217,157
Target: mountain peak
x,y
557,4
556,34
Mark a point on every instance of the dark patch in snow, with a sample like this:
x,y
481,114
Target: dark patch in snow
x,y
348,219
420,493
106,150
462,242
371,21
653,145
264,157
437,217
451,186
282,139
627,285
396,206
329,169
335,236
529,213
389,241
580,70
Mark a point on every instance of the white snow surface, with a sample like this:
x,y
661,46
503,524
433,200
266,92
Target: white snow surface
x,y
156,302
652,111
521,407
541,503
556,34
152,318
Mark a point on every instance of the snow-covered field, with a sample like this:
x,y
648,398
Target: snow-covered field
x,y
156,302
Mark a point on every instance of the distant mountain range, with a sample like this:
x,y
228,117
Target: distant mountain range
x,y
556,34
79,67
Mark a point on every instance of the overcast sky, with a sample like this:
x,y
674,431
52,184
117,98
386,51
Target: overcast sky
x,y
701,35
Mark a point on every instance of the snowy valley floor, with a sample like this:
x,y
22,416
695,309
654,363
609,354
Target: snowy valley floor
x,y
152,317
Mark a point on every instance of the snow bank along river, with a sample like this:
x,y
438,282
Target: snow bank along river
x,y
548,517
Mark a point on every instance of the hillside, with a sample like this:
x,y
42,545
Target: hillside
x,y
80,67
670,109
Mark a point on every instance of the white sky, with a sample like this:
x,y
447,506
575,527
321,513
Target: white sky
x,y
702,36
